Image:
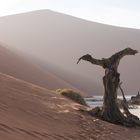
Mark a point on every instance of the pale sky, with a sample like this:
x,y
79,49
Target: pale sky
x,y
125,13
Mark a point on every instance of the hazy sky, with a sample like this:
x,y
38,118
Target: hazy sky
x,y
116,12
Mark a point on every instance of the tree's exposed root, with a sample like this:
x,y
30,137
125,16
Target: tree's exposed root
x,y
116,117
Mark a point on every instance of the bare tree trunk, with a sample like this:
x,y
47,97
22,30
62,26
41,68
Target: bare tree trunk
x,y
110,111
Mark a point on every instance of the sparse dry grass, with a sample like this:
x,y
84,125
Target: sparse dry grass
x,y
73,95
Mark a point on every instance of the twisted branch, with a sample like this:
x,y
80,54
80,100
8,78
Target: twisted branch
x,y
109,63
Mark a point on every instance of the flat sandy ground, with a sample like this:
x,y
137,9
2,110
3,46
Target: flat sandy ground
x,y
29,112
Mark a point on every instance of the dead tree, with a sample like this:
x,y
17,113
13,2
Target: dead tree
x,y
124,99
125,105
110,110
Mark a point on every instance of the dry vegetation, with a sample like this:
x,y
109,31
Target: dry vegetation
x,y
73,95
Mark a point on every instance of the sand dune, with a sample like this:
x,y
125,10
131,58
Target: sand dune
x,y
30,112
19,67
59,40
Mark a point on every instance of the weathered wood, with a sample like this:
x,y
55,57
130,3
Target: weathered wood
x,y
110,110
125,106
124,99
92,60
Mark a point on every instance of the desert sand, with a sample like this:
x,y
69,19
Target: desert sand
x,y
30,112
13,64
59,40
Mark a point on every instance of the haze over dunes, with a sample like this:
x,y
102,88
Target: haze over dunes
x,y
19,67
30,112
58,40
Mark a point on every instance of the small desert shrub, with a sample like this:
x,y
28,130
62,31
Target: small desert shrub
x,y
73,95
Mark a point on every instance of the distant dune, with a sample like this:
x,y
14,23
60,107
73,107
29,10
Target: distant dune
x,y
29,112
58,40
21,68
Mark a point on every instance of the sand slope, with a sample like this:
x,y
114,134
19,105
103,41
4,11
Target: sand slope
x,y
60,40
15,65
33,113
